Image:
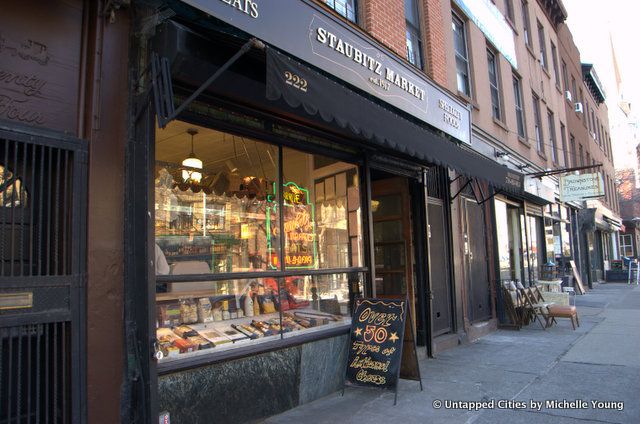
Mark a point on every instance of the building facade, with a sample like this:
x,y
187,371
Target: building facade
x,y
630,212
589,143
210,186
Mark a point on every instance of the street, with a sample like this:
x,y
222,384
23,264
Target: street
x,y
528,376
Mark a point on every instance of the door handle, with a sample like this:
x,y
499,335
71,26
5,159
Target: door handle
x,y
157,352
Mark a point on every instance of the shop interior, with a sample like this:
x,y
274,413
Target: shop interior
x,y
220,217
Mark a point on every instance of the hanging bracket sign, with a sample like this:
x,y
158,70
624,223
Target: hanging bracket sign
x,y
376,342
581,187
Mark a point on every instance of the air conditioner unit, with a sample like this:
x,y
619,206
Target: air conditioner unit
x,y
567,95
593,135
578,107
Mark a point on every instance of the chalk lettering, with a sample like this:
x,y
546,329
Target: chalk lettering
x,y
378,318
364,377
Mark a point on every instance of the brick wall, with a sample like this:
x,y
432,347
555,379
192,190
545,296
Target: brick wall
x,y
629,195
434,38
384,19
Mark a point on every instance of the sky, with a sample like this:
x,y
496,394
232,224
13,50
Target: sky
x,y
593,24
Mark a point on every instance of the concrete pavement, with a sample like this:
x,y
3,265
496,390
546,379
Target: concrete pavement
x,y
527,376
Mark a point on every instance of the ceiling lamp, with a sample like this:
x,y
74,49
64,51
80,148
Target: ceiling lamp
x,y
192,163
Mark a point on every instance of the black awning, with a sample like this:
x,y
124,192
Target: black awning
x,y
303,88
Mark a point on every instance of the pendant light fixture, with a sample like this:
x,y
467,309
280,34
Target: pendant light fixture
x,y
192,162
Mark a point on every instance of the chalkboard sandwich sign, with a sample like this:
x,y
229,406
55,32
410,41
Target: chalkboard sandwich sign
x,y
376,344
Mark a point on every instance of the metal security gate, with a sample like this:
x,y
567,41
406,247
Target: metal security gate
x,y
42,277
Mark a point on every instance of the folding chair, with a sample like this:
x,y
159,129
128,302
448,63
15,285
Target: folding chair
x,y
512,306
534,307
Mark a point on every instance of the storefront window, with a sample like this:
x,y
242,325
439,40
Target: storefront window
x,y
526,276
558,236
566,239
502,231
535,250
218,219
219,216
509,241
564,213
322,212
233,313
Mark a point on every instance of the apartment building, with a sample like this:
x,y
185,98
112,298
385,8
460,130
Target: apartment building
x,y
589,144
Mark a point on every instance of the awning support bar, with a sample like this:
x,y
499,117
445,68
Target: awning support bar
x,y
486,199
561,171
461,189
163,90
479,200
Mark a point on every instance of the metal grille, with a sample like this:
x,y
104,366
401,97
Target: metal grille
x,y
35,373
35,199
42,222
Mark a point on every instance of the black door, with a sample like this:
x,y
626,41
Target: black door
x,y
42,276
477,279
438,261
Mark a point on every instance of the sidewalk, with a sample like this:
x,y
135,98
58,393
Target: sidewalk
x,y
600,361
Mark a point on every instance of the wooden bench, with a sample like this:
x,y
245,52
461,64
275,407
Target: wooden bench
x,y
561,311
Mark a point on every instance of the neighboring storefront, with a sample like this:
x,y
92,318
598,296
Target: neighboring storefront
x,y
521,242
521,232
557,231
63,115
536,238
272,208
599,229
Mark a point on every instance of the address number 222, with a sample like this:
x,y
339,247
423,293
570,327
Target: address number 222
x,y
295,81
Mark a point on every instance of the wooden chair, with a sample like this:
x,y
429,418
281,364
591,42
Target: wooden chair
x,y
511,306
537,293
536,309
551,312
562,311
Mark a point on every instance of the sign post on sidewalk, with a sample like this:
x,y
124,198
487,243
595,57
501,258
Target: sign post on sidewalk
x,y
377,339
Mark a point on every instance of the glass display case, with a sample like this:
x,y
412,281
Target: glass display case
x,y
233,313
240,261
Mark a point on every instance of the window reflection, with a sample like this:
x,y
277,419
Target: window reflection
x,y
321,212
220,209
223,222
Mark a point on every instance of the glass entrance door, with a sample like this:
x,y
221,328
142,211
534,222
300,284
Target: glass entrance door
x,y
390,205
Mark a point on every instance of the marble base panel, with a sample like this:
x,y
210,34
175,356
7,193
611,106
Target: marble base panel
x,y
254,387
322,367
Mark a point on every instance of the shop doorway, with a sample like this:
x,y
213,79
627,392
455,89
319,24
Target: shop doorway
x,y
439,266
393,209
475,261
390,208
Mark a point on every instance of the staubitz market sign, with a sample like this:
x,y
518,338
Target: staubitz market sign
x,y
581,187
303,30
